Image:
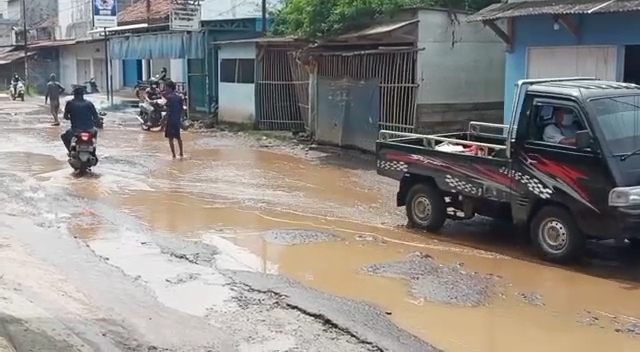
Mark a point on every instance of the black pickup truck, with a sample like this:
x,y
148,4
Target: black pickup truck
x,y
566,168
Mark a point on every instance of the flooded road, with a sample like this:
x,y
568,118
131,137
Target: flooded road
x,y
251,245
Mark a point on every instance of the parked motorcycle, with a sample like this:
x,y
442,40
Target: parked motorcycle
x,y
152,114
18,92
89,87
82,156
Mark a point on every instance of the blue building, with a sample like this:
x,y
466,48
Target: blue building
x,y
566,39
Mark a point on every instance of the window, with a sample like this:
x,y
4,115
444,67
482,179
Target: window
x,y
237,71
554,123
246,71
619,119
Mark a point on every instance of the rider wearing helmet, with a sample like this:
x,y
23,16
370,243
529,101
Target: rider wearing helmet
x,y
82,114
153,92
163,75
15,80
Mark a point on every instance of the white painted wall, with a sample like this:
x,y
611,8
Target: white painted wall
x,y
176,70
237,101
461,62
93,52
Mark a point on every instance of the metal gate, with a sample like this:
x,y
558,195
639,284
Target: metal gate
x,y
282,91
394,69
347,113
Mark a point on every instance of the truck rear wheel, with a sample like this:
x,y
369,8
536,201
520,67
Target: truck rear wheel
x,y
426,208
557,236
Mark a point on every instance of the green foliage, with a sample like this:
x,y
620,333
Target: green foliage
x,y
320,18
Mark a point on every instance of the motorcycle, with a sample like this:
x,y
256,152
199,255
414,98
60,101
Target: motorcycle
x,y
82,156
18,92
152,114
92,86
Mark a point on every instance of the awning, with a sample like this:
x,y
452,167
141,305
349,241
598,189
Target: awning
x,y
181,45
554,8
385,28
52,44
12,56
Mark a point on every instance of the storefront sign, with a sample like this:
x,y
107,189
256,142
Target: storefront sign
x,y
105,13
185,15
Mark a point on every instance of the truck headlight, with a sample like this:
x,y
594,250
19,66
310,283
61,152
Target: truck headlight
x,y
624,196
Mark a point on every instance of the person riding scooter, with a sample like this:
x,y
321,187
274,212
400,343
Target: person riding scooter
x,y
83,117
152,94
14,81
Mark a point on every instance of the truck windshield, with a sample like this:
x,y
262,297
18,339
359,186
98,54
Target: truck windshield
x,y
619,119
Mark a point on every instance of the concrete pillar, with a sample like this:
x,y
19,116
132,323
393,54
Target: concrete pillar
x,y
145,69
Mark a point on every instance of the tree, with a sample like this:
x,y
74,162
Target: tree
x,y
317,18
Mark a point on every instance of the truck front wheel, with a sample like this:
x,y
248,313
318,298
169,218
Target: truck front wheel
x,y
426,208
556,235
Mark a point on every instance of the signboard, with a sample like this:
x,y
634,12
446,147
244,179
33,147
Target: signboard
x,y
185,15
105,13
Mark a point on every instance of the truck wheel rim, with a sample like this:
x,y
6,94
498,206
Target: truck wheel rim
x,y
554,236
422,208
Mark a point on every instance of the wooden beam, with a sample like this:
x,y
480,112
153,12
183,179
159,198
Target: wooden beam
x,y
566,22
499,32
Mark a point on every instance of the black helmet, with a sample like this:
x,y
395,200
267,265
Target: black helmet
x,y
164,70
78,90
153,82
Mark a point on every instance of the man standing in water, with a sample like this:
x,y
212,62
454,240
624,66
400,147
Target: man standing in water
x,y
52,94
174,117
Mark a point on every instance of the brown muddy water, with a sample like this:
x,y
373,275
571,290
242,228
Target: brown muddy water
x,y
336,229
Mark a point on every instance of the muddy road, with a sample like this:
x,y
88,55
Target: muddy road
x,y
254,245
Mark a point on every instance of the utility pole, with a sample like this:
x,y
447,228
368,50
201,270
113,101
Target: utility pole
x,y
264,17
23,3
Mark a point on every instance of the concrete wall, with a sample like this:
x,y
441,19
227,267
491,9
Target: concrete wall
x,y
460,72
89,51
597,29
237,101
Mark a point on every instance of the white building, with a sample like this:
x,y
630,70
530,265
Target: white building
x,y
86,59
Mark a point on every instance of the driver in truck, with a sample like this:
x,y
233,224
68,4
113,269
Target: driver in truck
x,y
563,130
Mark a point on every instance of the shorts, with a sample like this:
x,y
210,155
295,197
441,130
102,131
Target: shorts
x,y
55,107
172,131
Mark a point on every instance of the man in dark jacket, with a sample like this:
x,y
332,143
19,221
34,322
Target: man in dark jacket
x,y
52,94
175,109
82,114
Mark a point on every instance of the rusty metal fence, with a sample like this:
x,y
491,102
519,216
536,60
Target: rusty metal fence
x,y
395,70
282,91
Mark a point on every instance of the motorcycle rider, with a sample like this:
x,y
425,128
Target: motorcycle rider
x,y
14,82
152,93
83,117
52,94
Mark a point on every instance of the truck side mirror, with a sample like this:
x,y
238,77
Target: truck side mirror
x,y
583,140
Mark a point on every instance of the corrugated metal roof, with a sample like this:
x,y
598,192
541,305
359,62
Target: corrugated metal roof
x,y
569,7
10,57
377,29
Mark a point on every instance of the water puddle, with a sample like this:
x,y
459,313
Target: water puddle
x,y
273,213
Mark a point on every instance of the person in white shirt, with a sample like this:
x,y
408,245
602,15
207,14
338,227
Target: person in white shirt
x,y
563,130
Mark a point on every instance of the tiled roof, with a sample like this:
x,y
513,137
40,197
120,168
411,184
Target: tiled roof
x,y
554,7
137,13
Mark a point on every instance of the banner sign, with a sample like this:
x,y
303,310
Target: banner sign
x,y
105,13
185,15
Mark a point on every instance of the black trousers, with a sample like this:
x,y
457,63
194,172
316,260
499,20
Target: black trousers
x,y
67,136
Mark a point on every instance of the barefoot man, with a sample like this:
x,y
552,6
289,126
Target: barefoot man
x,y
54,89
174,117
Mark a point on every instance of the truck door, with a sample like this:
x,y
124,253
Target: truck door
x,y
547,167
